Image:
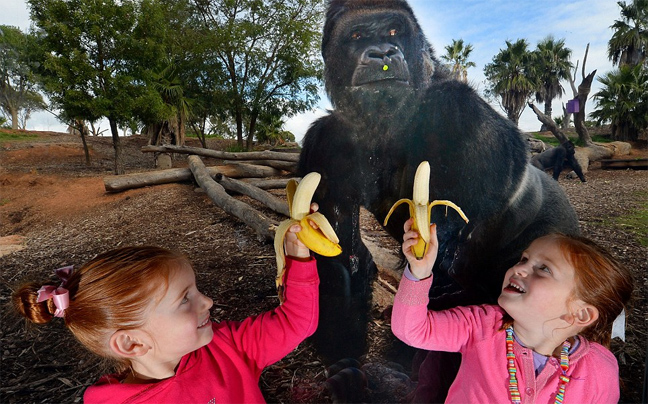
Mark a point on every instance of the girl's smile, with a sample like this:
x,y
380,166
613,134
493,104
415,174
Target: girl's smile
x,y
179,323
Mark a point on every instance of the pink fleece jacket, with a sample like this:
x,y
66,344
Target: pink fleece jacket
x,y
227,370
483,377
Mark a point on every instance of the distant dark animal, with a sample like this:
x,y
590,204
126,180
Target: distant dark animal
x,y
394,106
556,158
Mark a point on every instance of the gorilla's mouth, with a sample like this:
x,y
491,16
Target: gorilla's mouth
x,y
380,73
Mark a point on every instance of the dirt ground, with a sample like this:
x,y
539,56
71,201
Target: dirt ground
x,y
54,212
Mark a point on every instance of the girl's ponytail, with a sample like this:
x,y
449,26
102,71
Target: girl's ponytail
x,y
40,304
25,301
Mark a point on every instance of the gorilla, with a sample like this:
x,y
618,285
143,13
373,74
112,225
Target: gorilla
x,y
556,158
394,106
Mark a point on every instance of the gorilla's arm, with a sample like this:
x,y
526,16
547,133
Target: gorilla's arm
x,y
479,160
571,160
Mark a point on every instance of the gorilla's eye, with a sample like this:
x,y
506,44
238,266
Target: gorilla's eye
x,y
356,35
393,32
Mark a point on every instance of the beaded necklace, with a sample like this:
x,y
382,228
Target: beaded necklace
x,y
513,382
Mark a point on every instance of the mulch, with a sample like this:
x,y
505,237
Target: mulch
x,y
236,269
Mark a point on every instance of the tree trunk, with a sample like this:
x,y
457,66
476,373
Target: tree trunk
x,y
257,221
549,124
262,155
119,165
138,180
268,184
566,118
181,130
581,94
260,195
83,130
579,117
278,164
548,113
251,128
239,129
14,118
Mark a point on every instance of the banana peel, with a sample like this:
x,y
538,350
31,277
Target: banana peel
x,y
320,238
421,209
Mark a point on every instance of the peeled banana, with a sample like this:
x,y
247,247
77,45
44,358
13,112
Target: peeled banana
x,y
421,210
321,240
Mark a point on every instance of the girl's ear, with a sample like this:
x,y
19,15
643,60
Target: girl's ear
x,y
129,343
585,314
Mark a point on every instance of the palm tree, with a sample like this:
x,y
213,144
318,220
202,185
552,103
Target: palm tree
x,y
457,54
510,77
175,109
623,101
629,43
551,64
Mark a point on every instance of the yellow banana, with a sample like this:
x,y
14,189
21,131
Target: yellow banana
x,y
421,210
321,240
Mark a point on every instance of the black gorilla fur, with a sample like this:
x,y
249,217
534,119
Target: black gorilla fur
x,y
394,107
556,158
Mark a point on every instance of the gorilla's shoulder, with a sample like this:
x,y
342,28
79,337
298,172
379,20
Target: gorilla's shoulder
x,y
451,92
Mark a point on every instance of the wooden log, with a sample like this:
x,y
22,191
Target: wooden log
x,y
123,182
256,220
260,195
549,123
278,164
198,151
279,183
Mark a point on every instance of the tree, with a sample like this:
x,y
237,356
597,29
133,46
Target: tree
x,y
18,95
457,55
268,52
92,60
510,77
623,102
551,64
176,107
629,43
581,93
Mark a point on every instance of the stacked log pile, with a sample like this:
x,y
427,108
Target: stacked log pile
x,y
246,173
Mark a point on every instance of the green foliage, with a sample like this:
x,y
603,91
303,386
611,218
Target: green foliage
x,y
267,55
18,95
510,77
623,102
92,57
629,43
551,65
457,55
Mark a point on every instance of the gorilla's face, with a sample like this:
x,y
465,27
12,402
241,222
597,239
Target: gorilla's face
x,y
375,59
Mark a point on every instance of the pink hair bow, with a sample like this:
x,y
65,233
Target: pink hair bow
x,y
59,295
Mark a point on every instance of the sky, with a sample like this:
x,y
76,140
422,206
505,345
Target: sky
x,y
486,24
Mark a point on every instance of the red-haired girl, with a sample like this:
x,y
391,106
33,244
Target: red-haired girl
x,y
141,307
545,340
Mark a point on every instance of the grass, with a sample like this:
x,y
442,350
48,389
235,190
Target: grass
x,y
552,141
8,136
235,148
637,220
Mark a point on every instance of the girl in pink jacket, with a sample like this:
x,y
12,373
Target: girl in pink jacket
x,y
140,307
545,340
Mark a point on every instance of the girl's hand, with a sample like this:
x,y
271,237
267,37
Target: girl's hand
x,y
292,245
420,268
